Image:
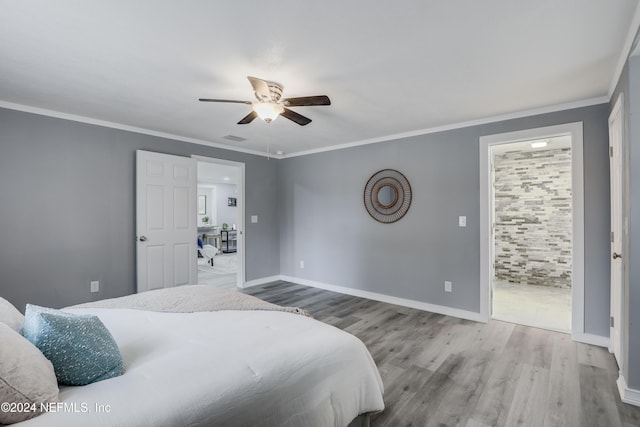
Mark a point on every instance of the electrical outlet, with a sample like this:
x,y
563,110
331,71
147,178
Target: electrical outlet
x,y
462,221
95,286
448,287
301,263
254,219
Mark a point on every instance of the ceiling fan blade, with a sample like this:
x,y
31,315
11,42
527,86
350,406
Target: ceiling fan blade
x,y
293,116
304,101
248,118
261,88
224,100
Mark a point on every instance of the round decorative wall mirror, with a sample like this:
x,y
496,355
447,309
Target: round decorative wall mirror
x,y
387,196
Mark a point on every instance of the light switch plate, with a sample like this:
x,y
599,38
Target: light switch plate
x,y
254,219
462,221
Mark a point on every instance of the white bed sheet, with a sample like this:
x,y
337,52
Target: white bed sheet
x,y
225,368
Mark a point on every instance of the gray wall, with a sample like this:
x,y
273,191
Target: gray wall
x,y
633,259
226,214
324,223
629,85
67,214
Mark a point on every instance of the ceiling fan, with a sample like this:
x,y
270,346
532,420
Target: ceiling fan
x,y
270,103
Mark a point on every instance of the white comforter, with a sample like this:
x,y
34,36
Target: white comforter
x,y
225,368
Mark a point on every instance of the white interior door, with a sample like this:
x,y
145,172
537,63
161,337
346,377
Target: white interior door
x,y
617,258
493,215
492,202
166,227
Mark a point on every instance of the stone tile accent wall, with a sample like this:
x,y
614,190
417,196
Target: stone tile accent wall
x,y
533,217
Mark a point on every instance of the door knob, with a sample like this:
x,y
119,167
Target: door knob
x,y
143,238
615,255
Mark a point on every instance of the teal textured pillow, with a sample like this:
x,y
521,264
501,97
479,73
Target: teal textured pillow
x,y
80,347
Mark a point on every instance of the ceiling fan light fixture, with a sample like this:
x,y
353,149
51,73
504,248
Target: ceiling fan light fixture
x,y
268,111
270,105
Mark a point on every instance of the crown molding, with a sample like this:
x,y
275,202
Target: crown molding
x,y
486,120
113,125
626,51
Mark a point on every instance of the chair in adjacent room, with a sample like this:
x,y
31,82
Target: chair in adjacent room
x,y
207,251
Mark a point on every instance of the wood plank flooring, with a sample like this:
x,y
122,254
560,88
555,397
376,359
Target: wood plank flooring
x,y
443,371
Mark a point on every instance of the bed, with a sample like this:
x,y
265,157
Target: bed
x,y
191,360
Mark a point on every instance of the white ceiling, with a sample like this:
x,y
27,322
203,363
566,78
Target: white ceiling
x,y
213,173
390,68
553,143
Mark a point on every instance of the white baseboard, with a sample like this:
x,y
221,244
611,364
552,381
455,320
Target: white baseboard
x,y
440,309
598,340
627,395
261,281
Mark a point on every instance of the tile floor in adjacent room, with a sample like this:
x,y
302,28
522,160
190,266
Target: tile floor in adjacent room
x,y
538,306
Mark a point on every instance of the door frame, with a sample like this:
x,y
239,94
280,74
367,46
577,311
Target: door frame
x,y
577,184
241,210
618,309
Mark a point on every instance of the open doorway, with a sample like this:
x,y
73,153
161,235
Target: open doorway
x,y
544,266
532,232
220,219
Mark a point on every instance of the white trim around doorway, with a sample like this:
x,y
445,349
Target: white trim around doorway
x,y
577,183
241,202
